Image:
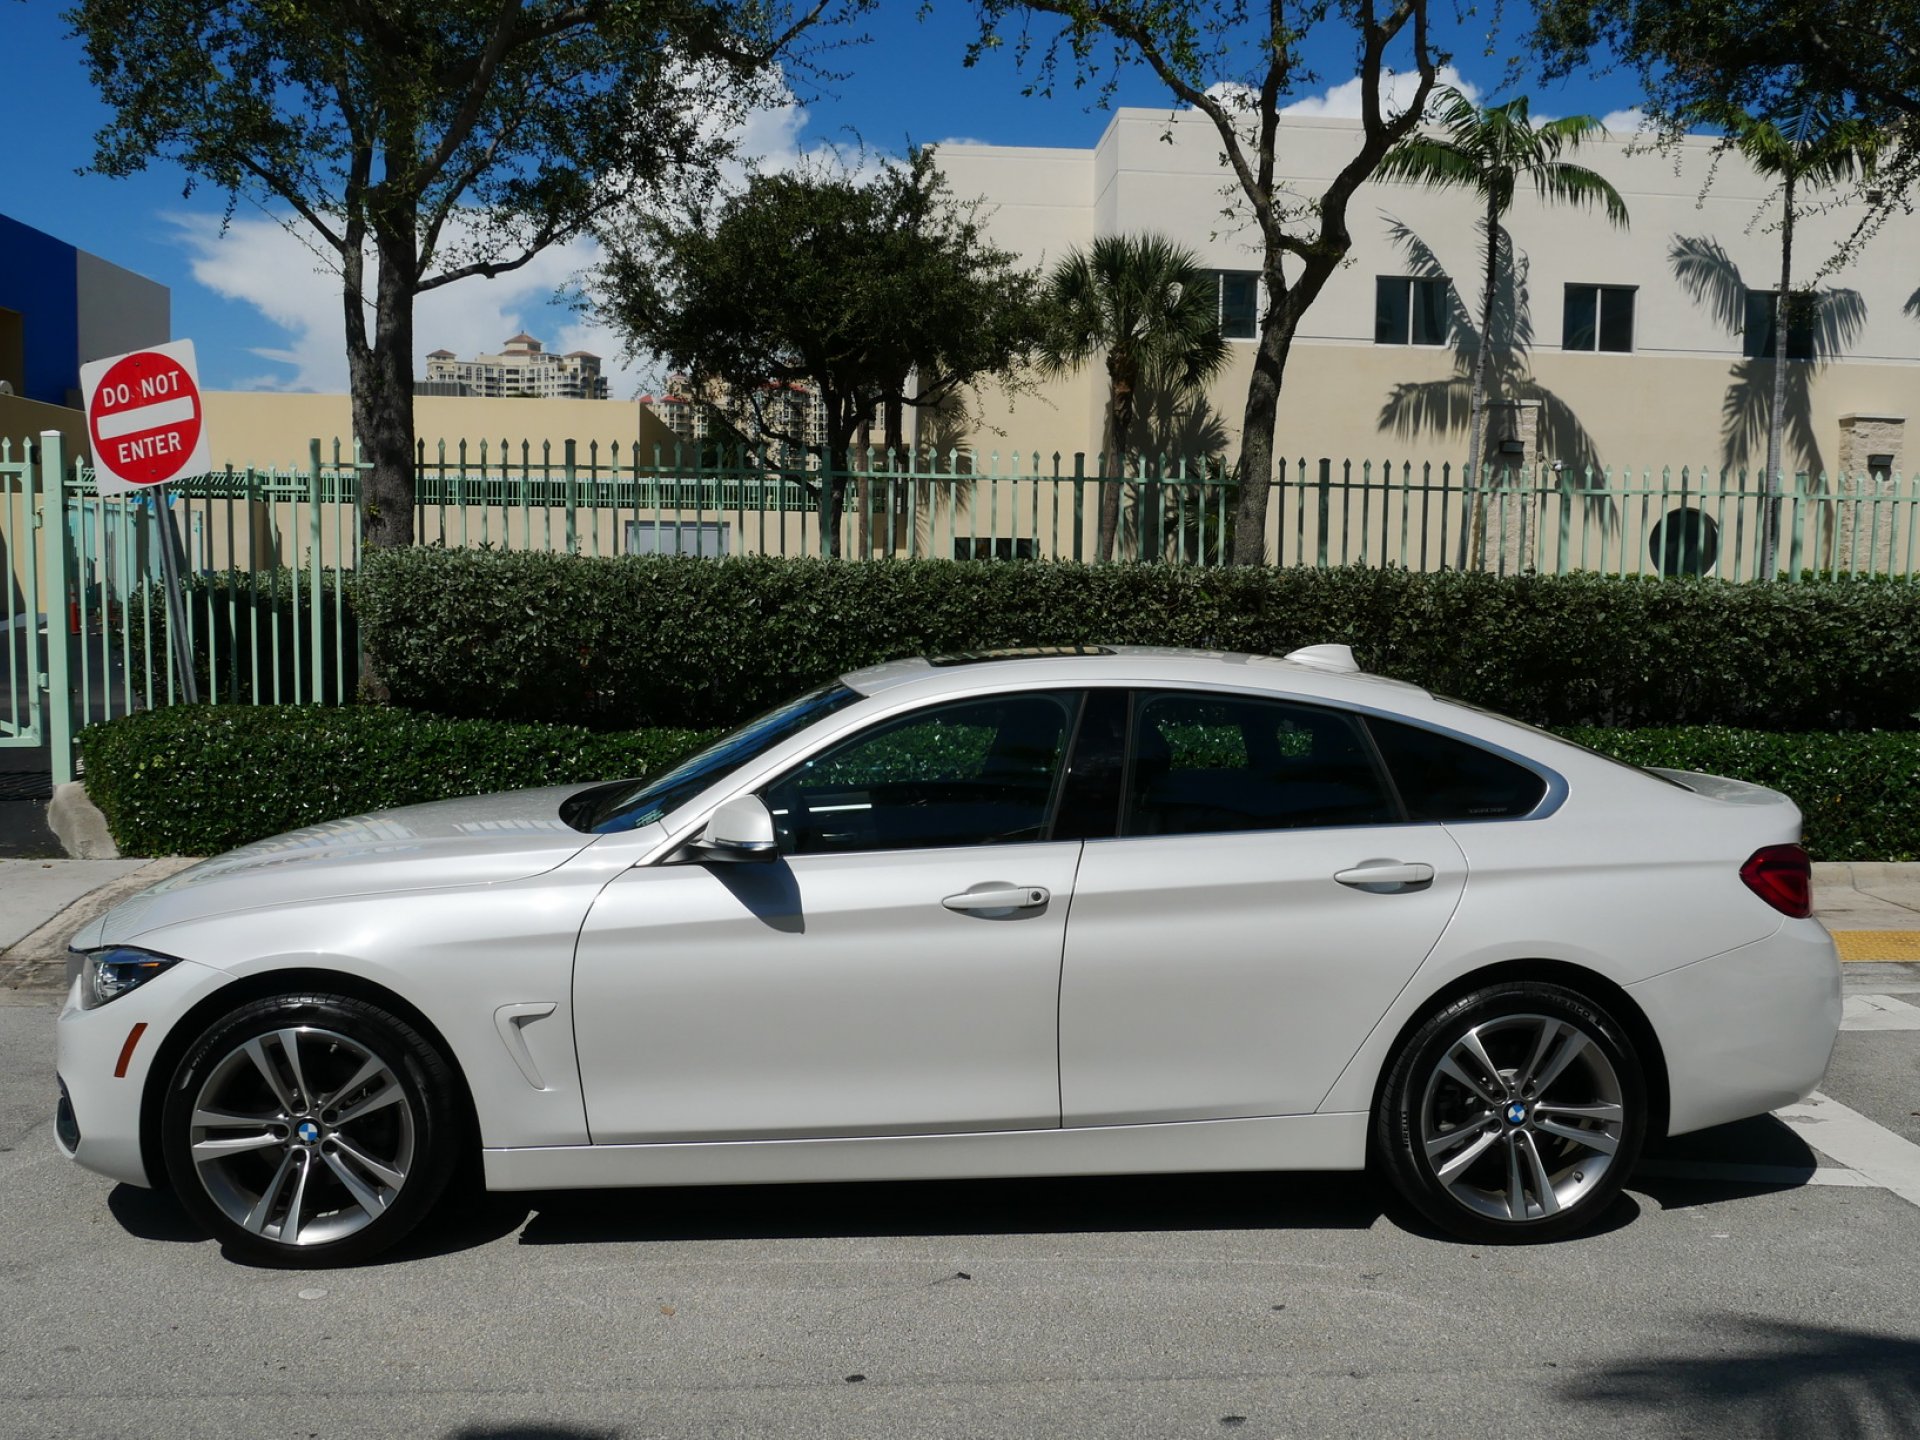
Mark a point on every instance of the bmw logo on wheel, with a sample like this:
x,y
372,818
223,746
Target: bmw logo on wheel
x,y
1516,1114
308,1132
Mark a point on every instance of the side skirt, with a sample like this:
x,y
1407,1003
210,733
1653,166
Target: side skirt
x,y
1285,1142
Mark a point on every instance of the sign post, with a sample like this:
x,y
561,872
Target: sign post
x,y
145,426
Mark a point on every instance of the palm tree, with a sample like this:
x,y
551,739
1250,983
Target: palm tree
x,y
1147,303
1808,141
1490,151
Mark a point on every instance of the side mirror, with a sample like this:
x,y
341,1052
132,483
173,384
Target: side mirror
x,y
741,829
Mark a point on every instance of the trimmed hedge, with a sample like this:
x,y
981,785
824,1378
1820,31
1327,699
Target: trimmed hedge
x,y
623,642
1860,793
199,779
196,780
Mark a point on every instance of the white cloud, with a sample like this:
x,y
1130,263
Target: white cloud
x,y
1630,121
292,281
1396,93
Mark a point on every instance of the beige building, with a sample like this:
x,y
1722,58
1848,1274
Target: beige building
x,y
1632,348
782,408
523,368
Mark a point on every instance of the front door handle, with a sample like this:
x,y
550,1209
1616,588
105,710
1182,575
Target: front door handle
x,y
1386,877
999,897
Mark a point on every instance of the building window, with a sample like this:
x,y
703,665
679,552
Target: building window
x,y
1598,317
1409,311
686,537
1239,303
1762,307
1000,547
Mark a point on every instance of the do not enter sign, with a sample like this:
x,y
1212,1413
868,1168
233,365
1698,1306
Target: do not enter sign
x,y
144,418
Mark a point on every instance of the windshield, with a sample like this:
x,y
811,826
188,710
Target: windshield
x,y
629,804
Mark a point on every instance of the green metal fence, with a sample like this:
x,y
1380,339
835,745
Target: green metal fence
x,y
267,551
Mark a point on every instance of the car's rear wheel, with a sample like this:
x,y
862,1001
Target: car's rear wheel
x,y
1515,1113
310,1129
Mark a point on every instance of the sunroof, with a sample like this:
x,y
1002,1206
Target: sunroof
x,y
1018,652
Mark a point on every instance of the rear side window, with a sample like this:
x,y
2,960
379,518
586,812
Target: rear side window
x,y
1203,764
1441,778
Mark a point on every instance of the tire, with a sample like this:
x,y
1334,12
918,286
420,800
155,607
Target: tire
x,y
1480,1146
310,1130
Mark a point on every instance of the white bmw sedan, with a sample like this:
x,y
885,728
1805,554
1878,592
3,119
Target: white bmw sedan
x,y
1030,913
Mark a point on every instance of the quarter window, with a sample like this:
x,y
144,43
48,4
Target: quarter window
x,y
979,772
1204,764
1409,311
1441,778
1598,317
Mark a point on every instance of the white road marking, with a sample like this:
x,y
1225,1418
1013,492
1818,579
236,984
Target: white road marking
x,y
1884,1158
1878,1012
1753,1174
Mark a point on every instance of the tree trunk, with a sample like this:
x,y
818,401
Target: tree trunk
x,y
1122,376
863,493
1777,419
1257,426
1473,519
381,376
842,423
896,423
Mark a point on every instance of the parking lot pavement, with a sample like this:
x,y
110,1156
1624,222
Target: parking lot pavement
x,y
1753,1282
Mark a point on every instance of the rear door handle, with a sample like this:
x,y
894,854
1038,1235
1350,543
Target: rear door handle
x,y
1386,876
999,897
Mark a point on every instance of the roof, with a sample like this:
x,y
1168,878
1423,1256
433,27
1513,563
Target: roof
x,y
581,355
1308,671
521,338
440,354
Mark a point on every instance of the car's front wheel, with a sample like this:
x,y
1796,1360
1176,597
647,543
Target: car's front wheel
x,y
310,1129
1515,1113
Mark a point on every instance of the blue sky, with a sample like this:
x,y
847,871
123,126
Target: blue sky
x,y
263,315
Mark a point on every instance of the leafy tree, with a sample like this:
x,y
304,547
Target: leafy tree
x,y
1146,304
1237,64
1491,151
1756,57
422,144
874,291
1809,141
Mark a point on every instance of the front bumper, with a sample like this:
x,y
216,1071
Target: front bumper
x,y
104,1067
1749,1030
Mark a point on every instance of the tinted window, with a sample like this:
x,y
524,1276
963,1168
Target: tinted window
x,y
629,804
1441,778
1205,763
980,772
1090,801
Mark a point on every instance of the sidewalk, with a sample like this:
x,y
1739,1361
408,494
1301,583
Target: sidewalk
x,y
1873,909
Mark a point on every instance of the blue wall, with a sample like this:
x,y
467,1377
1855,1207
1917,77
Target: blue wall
x,y
39,277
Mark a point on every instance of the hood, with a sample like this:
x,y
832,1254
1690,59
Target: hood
x,y
478,840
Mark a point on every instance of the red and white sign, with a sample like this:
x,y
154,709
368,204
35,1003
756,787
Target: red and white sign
x,y
144,418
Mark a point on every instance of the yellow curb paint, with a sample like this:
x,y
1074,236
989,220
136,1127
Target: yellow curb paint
x,y
1878,944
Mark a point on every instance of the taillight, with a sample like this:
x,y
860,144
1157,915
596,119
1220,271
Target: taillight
x,y
1782,876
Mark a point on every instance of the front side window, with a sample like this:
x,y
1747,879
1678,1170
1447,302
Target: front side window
x,y
629,804
975,772
1205,764
1409,311
1598,317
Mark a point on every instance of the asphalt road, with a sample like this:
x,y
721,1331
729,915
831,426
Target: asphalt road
x,y
1726,1296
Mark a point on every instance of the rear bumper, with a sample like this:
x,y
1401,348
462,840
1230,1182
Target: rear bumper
x,y
1749,1030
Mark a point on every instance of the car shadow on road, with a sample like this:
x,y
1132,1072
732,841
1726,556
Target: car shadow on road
x,y
955,1207
1728,1162
1756,1377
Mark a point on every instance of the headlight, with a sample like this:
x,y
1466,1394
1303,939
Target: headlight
x,y
110,973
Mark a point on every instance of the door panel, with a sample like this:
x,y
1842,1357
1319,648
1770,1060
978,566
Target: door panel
x,y
821,995
1209,976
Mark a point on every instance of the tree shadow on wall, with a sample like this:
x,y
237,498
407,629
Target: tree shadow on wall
x,y
1444,407
1186,443
1709,275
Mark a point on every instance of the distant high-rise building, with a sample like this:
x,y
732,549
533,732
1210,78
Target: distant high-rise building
x,y
522,368
788,416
